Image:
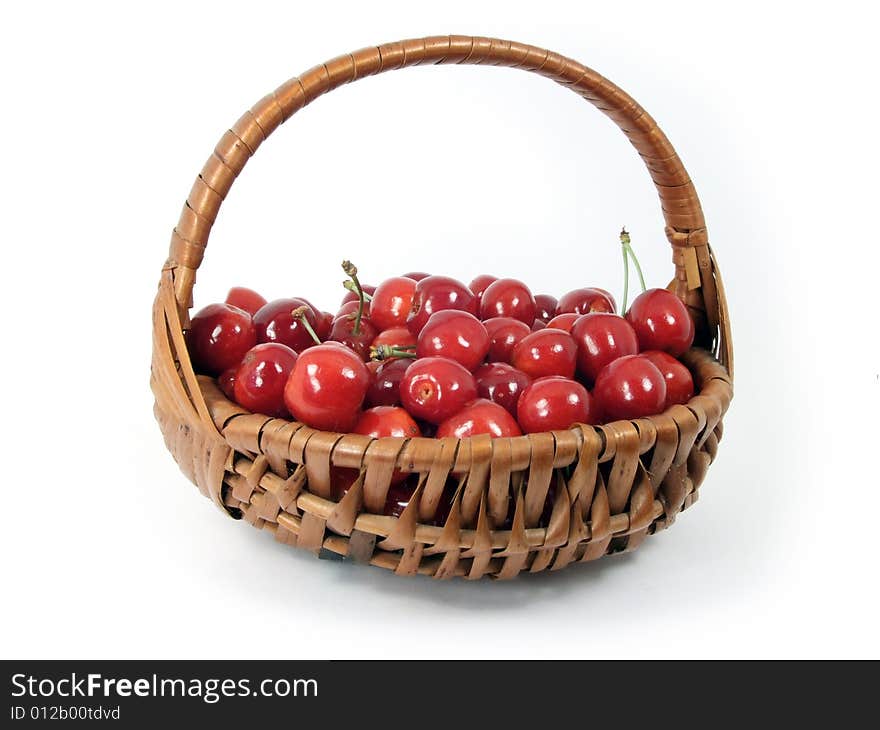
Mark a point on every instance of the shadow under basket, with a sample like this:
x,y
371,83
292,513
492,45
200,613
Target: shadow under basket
x,y
611,485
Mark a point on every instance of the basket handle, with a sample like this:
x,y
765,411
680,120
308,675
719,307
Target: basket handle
x,y
695,280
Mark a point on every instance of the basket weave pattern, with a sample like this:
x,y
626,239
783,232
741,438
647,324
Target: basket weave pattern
x,y
613,484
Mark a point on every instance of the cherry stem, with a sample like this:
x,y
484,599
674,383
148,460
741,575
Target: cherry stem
x,y
351,270
628,253
348,284
384,352
300,314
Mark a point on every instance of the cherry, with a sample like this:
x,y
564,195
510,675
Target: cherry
x,y
479,416
553,404
630,387
349,309
504,334
602,337
396,338
435,294
399,496
384,387
392,302
218,338
326,388
226,383
246,299
661,322
480,284
586,300
545,307
276,322
546,352
457,335
502,384
383,421
679,381
324,325
564,321
355,335
416,275
435,388
352,296
508,298
260,379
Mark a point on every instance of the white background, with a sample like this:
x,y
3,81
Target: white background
x,y
108,113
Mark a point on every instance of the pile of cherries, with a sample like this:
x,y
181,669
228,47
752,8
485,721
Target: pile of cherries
x,y
426,355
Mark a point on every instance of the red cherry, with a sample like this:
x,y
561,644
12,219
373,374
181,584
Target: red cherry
x,y
545,307
508,298
630,387
546,352
260,379
360,341
602,337
399,496
326,388
351,296
351,308
586,300
480,284
553,404
435,388
383,421
679,381
226,383
324,325
563,322
275,323
392,302
416,275
504,334
396,337
244,298
662,322
435,294
479,416
502,384
457,335
384,388
218,338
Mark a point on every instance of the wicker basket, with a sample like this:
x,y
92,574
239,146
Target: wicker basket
x,y
614,484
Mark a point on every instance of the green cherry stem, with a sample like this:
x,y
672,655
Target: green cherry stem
x,y
384,352
300,314
349,284
628,253
351,271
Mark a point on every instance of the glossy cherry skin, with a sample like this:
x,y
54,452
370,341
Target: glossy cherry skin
x,y
602,337
435,294
480,284
435,388
327,387
481,416
218,338
505,333
545,307
343,331
350,309
385,377
260,379
546,352
508,298
246,299
457,335
563,322
554,404
630,387
679,381
416,275
276,323
352,296
324,325
502,384
399,337
226,383
384,421
586,300
662,322
392,302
